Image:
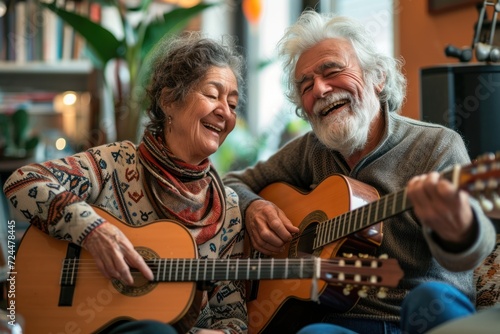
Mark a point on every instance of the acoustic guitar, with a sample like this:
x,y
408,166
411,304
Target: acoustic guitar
x,y
59,289
331,218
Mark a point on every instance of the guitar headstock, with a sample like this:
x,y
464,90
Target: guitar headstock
x,y
481,179
362,273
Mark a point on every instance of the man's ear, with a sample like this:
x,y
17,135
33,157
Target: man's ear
x,y
380,86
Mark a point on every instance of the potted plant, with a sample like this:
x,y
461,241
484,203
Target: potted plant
x,y
133,49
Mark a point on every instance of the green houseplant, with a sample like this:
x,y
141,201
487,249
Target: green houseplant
x,y
16,141
133,49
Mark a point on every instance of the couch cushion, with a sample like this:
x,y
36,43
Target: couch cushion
x,y
487,278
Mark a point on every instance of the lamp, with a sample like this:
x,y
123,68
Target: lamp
x,y
75,110
3,8
182,3
252,10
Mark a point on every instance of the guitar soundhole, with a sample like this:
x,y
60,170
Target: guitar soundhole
x,y
141,285
304,244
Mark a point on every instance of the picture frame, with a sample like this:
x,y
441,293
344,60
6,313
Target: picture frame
x,y
441,6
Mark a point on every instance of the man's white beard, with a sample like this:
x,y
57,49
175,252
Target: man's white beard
x,y
347,131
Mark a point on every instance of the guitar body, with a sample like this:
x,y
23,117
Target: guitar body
x,y
280,306
97,303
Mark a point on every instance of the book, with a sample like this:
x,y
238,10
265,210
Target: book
x,y
3,37
50,33
68,34
20,34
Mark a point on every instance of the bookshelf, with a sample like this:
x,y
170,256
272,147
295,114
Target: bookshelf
x,y
56,76
78,76
31,32
41,57
24,84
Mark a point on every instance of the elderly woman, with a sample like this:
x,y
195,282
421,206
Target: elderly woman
x,y
194,93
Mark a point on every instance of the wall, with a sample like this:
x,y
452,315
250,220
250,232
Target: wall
x,y
422,37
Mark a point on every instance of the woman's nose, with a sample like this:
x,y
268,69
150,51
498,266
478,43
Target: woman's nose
x,y
222,110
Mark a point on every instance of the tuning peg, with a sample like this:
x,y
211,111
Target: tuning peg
x,y
479,185
496,200
383,256
363,292
382,293
492,184
363,256
486,204
489,156
347,255
347,289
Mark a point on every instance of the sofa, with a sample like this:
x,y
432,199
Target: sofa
x,y
487,279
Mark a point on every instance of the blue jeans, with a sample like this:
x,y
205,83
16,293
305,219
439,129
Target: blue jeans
x,y
425,307
432,304
143,327
352,326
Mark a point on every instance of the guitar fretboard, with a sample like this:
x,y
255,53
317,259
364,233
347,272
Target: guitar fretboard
x,y
360,218
364,216
175,270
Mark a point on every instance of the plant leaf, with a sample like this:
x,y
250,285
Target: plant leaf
x,y
100,40
172,22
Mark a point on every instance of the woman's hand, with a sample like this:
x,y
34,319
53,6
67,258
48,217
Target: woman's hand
x,y
268,227
114,254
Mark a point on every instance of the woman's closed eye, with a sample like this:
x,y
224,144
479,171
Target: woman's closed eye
x,y
233,106
211,96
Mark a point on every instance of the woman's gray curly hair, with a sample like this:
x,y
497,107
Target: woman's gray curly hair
x,y
312,28
180,64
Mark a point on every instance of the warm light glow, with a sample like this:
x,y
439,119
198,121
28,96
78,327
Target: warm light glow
x,y
60,144
3,8
252,10
69,98
183,3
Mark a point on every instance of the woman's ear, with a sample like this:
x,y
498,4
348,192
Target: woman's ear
x,y
164,100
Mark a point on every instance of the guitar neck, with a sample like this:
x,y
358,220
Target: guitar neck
x,y
360,218
179,270
370,272
387,206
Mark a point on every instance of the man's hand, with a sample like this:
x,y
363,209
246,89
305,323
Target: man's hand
x,y
268,227
443,208
114,254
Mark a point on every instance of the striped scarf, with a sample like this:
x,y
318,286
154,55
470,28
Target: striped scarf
x,y
189,194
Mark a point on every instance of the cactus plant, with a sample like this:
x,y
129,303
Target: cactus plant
x,y
17,141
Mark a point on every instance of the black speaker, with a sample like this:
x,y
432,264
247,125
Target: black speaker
x,y
465,98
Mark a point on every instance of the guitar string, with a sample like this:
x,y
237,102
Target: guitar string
x,y
220,267
400,204
395,203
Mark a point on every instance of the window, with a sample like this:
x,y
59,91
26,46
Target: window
x,y
268,111
267,104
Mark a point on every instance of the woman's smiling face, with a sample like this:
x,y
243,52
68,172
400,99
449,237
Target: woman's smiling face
x,y
201,124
